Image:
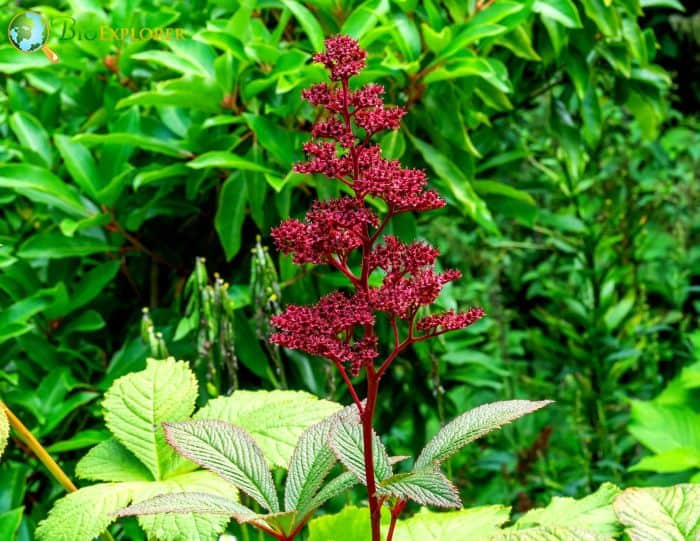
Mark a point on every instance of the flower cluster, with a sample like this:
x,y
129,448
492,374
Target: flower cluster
x,y
340,327
324,329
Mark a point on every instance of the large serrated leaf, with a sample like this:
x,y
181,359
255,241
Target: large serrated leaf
x,y
660,514
551,533
229,452
594,512
110,461
424,487
275,419
476,524
137,404
83,515
348,445
4,431
472,425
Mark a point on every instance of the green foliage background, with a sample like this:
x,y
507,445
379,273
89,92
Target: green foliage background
x,y
552,127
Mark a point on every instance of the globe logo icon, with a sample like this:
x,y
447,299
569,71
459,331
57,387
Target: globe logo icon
x,y
28,32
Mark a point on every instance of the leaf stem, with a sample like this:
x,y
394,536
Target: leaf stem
x,y
44,457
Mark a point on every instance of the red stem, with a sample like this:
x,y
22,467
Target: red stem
x,y
395,512
374,506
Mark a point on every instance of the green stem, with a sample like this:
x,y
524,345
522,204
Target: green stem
x,y
24,434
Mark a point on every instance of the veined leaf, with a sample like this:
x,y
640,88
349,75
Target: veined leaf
x,y
311,462
348,445
187,502
110,461
594,513
551,533
275,419
476,524
4,431
80,164
424,487
186,526
660,514
472,425
83,515
229,452
137,404
331,489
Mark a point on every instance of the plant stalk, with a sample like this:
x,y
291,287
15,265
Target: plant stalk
x,y
368,414
24,434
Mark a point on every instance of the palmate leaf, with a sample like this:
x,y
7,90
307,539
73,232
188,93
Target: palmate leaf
x,y
473,425
229,452
275,419
594,513
111,462
137,404
83,515
552,533
476,524
4,431
660,514
348,446
424,487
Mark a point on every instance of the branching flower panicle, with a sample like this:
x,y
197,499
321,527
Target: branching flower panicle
x,y
341,327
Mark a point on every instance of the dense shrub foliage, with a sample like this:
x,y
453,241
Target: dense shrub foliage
x,y
553,130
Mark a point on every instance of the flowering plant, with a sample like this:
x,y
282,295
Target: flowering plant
x,y
347,234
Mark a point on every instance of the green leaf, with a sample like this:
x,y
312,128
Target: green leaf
x,y
53,245
10,522
476,524
492,187
230,214
4,431
351,524
331,489
229,452
187,502
606,17
311,462
674,460
32,135
275,419
364,17
551,533
137,404
660,514
80,164
563,11
226,160
673,4
424,487
144,142
110,461
663,428
348,445
594,513
473,425
42,186
308,22
185,526
457,183
83,515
